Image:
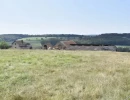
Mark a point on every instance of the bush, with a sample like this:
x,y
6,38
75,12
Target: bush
x,y
4,45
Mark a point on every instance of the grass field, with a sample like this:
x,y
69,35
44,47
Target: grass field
x,y
35,41
64,75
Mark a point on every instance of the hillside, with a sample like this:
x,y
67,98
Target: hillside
x,y
34,41
122,41
64,75
109,38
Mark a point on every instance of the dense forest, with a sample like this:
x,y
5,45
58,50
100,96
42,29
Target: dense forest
x,y
12,37
113,39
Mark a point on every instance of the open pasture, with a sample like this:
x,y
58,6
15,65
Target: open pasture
x,y
64,75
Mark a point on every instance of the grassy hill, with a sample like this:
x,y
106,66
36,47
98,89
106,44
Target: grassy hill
x,y
35,41
64,75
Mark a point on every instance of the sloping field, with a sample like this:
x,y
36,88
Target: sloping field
x,y
35,41
64,75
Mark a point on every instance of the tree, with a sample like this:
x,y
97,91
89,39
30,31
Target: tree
x,y
4,45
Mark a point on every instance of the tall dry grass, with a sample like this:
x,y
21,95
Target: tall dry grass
x,y
64,75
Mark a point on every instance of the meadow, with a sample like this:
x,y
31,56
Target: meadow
x,y
64,75
34,41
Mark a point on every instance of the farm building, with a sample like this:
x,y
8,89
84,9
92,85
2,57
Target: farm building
x,y
20,44
71,45
64,44
92,47
47,46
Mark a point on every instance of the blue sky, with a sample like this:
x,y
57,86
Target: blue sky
x,y
64,16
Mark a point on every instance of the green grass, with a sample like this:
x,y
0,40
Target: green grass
x,y
64,75
35,41
34,44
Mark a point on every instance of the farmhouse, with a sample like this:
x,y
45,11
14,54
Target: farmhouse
x,y
92,47
64,44
20,44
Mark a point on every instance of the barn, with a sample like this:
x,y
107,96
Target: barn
x,y
64,44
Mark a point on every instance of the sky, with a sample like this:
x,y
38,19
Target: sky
x,y
64,16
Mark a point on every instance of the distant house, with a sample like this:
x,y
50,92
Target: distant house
x,y
92,47
20,44
64,44
47,46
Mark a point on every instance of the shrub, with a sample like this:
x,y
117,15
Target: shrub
x,y
4,45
